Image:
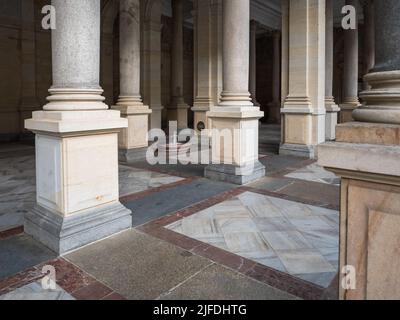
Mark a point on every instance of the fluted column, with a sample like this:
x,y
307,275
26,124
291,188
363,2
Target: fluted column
x,y
331,107
275,105
253,62
178,109
133,141
76,140
383,99
234,122
369,39
350,71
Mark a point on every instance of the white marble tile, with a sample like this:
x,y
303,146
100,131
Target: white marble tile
x,y
304,262
34,291
286,240
258,227
315,173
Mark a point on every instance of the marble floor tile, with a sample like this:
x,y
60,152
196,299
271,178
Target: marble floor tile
x,y
284,235
286,240
315,173
304,261
34,291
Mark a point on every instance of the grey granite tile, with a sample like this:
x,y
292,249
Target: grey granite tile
x,y
219,283
136,265
168,201
21,252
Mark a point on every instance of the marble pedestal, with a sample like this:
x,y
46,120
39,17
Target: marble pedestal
x,y
133,140
76,178
367,158
331,120
234,143
179,113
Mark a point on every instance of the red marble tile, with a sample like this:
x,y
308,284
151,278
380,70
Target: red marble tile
x,y
114,296
11,232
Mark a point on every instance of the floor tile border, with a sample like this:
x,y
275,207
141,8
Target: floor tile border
x,y
283,196
72,279
269,276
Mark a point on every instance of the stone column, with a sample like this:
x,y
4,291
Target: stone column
x,y
331,107
284,62
275,105
304,107
29,101
234,122
203,100
369,165
253,62
76,140
178,109
369,39
133,141
152,13
350,72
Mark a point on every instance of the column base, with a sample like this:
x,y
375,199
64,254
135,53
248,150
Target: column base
x,y
132,155
235,174
156,117
331,121
346,112
179,113
64,234
298,150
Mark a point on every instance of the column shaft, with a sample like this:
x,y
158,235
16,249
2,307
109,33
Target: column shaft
x,y
350,71
236,32
275,105
331,108
369,39
253,62
178,109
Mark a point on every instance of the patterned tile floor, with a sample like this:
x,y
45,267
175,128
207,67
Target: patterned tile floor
x,y
291,237
315,173
17,186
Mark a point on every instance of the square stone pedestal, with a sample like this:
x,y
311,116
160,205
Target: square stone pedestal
x,y
179,113
331,121
234,143
367,158
133,140
76,178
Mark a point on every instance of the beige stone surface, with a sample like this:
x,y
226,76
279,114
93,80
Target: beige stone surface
x,y
304,107
371,241
369,133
